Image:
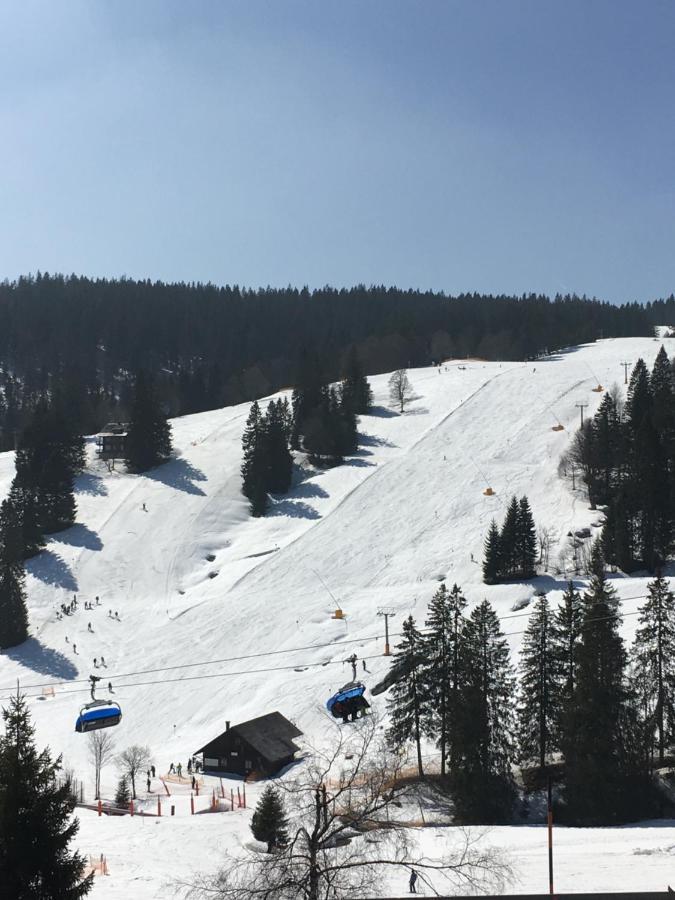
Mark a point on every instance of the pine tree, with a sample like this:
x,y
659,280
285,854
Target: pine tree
x,y
36,824
601,769
355,392
278,460
539,685
526,541
638,399
23,508
565,635
405,701
13,613
654,662
269,822
308,395
508,541
441,673
663,397
492,555
122,793
483,785
254,468
148,442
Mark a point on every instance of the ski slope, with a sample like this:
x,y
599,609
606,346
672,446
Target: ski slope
x,y
213,605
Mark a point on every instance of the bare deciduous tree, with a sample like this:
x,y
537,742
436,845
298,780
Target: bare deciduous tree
x,y
344,834
132,761
101,747
400,389
548,537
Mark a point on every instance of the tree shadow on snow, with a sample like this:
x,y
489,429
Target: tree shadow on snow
x,y
50,568
88,483
295,509
79,536
43,660
372,440
359,463
381,412
308,489
179,474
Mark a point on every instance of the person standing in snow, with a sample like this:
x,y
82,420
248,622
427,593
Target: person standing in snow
x,y
148,783
413,881
171,769
74,648
89,628
179,770
152,770
110,688
95,663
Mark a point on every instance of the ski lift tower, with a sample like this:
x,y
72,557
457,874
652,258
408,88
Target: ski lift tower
x,y
388,613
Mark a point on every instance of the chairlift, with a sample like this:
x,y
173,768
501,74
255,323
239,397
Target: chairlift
x,y
98,713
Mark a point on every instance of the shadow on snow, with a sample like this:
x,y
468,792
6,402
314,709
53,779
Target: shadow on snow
x,y
179,474
79,536
43,660
51,568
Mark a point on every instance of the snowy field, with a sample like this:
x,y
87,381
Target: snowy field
x,y
227,617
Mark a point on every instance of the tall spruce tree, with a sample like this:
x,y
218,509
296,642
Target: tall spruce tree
x,y
407,694
508,541
565,635
526,540
539,692
254,468
483,784
148,442
355,392
653,657
269,823
492,555
278,460
441,673
36,823
13,613
598,727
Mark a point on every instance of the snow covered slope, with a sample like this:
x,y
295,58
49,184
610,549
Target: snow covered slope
x,y
204,590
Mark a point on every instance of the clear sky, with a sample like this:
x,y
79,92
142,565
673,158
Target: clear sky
x,y
459,145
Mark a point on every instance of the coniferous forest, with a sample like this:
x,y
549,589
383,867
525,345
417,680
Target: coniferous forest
x,y
209,346
581,707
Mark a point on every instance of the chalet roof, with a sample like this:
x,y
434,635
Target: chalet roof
x,y
271,736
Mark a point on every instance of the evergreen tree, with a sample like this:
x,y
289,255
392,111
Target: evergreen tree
x,y
406,698
508,541
663,397
539,685
13,613
36,824
254,468
638,400
269,823
355,392
122,793
483,784
308,395
148,442
605,432
602,771
278,460
565,636
441,673
654,663
526,541
24,509
492,555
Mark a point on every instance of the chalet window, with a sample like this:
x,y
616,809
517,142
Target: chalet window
x,y
233,753
210,763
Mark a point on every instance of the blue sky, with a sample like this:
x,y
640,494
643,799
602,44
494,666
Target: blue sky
x,y
487,145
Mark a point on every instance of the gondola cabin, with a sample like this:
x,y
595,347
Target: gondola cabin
x,y
100,714
263,745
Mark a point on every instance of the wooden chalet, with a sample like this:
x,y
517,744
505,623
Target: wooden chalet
x,y
112,441
263,745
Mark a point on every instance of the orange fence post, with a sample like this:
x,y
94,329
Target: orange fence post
x,y
159,806
131,807
197,787
165,787
238,797
222,789
244,789
100,807
231,798
192,803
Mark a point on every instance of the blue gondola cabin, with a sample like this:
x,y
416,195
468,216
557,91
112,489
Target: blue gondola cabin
x,y
262,746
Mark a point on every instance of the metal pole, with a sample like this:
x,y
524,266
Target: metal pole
x,y
582,407
625,371
549,818
387,651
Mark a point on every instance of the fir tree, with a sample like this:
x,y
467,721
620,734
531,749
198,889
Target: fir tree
x,y
539,685
441,673
278,462
638,400
355,392
269,823
663,397
122,793
405,701
483,785
148,442
654,663
565,635
13,614
492,555
508,541
254,470
36,824
601,770
526,540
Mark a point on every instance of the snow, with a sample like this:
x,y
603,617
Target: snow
x,y
214,604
